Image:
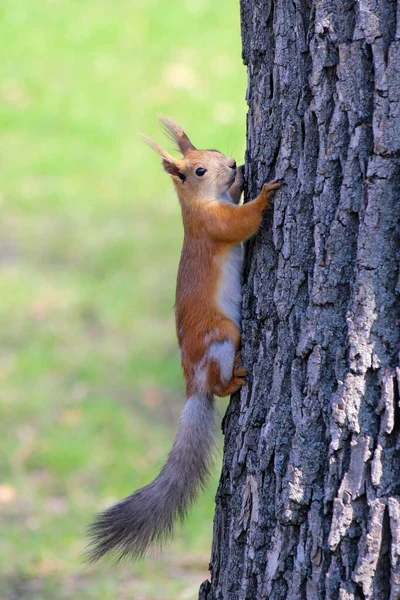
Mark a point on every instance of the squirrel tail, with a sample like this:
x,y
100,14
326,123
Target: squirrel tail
x,y
147,516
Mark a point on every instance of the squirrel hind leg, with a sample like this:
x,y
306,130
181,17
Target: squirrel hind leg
x,y
233,386
222,354
223,376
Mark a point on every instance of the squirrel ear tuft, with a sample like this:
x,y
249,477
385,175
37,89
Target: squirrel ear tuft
x,y
156,147
176,134
170,164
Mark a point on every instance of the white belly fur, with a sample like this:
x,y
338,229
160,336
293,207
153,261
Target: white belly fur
x,y
229,295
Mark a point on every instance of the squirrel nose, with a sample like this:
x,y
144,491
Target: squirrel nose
x,y
232,164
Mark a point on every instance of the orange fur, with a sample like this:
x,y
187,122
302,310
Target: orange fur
x,y
212,227
208,303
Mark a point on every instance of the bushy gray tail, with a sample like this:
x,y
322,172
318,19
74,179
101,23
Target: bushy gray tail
x,y
147,516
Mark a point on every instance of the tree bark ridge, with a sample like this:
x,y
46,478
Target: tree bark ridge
x,y
308,505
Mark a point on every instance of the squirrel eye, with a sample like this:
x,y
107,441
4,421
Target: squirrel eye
x,y
200,172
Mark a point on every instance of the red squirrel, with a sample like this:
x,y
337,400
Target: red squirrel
x,y
208,313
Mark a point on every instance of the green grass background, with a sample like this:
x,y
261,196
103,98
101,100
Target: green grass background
x,y
90,235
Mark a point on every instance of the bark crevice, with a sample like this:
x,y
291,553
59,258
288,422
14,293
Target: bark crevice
x,y
308,506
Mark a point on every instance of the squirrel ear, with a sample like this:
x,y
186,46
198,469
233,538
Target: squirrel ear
x,y
172,168
176,134
170,164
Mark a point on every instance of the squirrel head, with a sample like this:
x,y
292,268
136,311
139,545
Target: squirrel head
x,y
200,173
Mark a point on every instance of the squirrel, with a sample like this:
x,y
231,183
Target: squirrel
x,y
208,314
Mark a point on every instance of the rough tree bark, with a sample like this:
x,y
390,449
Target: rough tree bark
x,y
308,505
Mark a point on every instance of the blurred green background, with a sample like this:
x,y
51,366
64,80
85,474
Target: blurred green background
x,y
90,236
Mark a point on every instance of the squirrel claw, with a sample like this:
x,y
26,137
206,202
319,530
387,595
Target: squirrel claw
x,y
241,372
271,186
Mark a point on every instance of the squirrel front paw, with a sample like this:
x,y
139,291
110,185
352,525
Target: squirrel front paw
x,y
240,174
237,187
268,190
271,186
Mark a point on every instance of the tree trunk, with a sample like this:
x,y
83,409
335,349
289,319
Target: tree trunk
x,y
308,505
